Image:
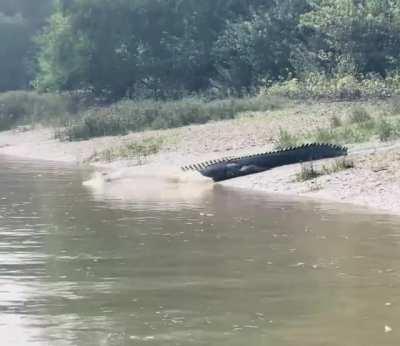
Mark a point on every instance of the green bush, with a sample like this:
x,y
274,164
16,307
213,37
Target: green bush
x,y
340,87
128,115
387,130
22,108
355,133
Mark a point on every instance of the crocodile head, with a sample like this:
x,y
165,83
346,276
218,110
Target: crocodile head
x,y
221,171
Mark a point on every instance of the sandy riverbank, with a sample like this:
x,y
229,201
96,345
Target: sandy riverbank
x,y
374,181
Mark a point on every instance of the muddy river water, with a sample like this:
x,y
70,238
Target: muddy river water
x,y
188,265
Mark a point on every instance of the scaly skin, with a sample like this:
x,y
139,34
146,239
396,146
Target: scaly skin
x,y
233,167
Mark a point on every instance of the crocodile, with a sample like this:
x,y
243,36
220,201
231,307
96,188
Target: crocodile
x,y
233,167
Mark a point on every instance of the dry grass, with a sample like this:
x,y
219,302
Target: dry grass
x,y
309,172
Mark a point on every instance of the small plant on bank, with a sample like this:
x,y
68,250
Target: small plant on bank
x,y
285,140
335,121
325,136
315,186
394,105
307,172
359,115
338,166
387,131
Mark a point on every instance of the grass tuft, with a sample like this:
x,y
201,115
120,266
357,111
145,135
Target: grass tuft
x,y
394,105
338,166
307,172
359,115
335,121
285,140
388,130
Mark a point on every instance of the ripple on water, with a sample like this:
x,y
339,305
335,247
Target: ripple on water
x,y
195,267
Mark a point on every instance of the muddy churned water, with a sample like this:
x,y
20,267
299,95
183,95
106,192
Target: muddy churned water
x,y
188,264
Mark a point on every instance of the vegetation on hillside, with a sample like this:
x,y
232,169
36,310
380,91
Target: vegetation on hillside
x,y
27,108
105,67
127,115
170,49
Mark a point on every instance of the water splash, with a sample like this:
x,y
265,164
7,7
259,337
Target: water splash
x,y
149,183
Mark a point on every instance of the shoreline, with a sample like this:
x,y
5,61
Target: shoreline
x,y
373,182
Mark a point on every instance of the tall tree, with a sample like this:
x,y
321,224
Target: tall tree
x,y
258,49
126,46
19,21
14,38
367,32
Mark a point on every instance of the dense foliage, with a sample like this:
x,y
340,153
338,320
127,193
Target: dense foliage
x,y
20,20
357,35
173,48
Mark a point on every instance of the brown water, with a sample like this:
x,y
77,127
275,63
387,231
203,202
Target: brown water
x,y
203,266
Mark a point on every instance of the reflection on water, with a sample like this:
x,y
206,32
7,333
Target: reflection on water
x,y
196,265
